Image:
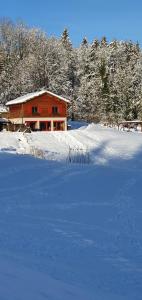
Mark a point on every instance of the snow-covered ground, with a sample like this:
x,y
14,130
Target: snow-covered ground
x,y
104,146
71,231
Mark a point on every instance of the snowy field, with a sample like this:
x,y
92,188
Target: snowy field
x,y
71,231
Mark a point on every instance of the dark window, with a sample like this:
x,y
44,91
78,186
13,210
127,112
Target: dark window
x,y
45,126
32,125
48,125
42,126
54,109
34,110
58,125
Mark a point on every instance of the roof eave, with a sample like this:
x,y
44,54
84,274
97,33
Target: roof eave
x,y
9,103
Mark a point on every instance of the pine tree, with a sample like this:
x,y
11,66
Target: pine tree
x,y
70,63
84,42
103,81
65,40
1,60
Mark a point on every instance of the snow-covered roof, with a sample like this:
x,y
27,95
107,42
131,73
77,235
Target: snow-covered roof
x,y
132,121
30,96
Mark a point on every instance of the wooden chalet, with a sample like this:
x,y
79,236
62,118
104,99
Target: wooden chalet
x,y
41,111
133,124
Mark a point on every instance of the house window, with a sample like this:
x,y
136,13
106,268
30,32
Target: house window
x,y
34,110
42,126
58,125
45,126
54,109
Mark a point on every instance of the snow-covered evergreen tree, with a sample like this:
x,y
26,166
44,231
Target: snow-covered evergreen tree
x,y
103,80
70,69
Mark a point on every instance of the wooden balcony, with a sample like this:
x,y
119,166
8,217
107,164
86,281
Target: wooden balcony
x,y
13,115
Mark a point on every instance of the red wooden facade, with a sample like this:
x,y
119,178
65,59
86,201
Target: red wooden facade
x,y
44,104
43,112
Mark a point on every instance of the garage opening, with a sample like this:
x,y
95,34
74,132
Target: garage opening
x,y
58,125
45,126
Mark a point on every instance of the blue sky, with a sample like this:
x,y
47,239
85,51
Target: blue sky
x,y
121,19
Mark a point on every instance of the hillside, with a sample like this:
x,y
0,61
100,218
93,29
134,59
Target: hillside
x,y
102,77
71,231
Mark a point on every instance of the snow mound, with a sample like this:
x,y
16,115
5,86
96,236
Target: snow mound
x,y
104,146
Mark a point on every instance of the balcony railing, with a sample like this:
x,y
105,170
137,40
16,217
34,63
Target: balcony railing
x,y
35,114
12,115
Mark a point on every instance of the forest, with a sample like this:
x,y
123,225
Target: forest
x,y
102,79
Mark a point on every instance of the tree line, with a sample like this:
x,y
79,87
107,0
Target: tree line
x,y
103,80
